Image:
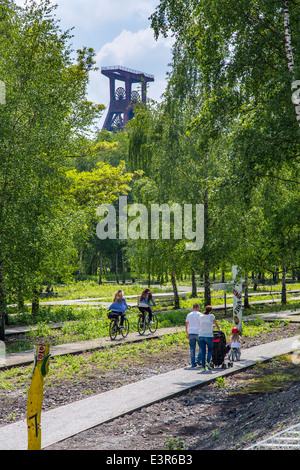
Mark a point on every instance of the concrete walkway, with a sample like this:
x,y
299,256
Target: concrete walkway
x,y
66,421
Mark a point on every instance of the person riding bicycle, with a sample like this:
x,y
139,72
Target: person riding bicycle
x,y
119,305
144,304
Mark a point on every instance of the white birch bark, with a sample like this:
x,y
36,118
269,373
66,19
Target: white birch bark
x,y
290,59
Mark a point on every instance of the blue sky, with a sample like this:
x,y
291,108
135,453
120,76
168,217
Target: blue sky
x,y
119,32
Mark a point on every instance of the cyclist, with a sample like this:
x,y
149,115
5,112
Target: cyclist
x,y
144,304
119,305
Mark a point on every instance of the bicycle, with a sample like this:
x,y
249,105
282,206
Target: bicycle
x,y
143,323
114,326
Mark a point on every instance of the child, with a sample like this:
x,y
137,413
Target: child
x,y
235,343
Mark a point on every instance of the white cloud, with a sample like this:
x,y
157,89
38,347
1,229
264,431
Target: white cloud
x,y
94,13
130,48
120,33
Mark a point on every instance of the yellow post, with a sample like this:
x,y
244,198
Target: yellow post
x,y
35,396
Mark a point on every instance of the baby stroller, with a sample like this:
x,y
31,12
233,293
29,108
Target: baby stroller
x,y
220,349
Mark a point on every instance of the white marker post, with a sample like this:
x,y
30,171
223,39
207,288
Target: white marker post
x,y
237,298
2,93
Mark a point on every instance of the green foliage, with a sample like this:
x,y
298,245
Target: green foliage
x,y
47,207
173,443
45,108
224,136
102,184
220,382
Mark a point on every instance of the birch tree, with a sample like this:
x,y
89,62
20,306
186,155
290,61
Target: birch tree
x,y
252,47
44,110
290,58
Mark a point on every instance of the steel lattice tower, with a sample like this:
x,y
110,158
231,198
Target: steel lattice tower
x,y
123,100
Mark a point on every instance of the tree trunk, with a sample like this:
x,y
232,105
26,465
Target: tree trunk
x,y
35,303
80,266
207,295
246,297
283,285
123,269
174,285
100,268
194,285
290,59
255,283
2,303
117,272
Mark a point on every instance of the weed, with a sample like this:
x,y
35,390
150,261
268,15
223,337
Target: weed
x,y
173,443
12,416
221,382
215,434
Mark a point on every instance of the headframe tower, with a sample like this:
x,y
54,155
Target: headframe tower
x,y
123,100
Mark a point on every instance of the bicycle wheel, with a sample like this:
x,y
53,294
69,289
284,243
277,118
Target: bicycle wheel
x,y
125,330
113,329
141,325
153,327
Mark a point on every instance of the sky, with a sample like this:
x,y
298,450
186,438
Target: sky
x,y
119,32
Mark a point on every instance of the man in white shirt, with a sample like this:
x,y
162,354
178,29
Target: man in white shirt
x,y
192,327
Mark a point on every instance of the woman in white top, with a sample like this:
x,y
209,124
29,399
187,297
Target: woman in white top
x,y
206,336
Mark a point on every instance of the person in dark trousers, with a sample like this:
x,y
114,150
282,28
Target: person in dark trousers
x,y
192,327
145,302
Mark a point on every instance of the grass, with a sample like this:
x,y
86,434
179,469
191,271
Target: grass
x,y
15,378
81,367
91,289
82,324
276,375
46,314
78,367
218,299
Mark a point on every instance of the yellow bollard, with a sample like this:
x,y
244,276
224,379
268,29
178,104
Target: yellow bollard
x,y
35,396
